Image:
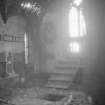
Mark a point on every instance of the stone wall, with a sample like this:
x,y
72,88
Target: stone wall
x,y
15,26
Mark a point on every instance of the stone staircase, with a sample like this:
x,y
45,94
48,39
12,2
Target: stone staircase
x,y
62,76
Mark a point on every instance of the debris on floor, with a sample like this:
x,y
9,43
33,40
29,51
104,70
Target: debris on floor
x,y
31,97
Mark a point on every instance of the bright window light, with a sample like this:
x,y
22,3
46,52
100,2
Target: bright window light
x,y
26,5
73,22
26,48
33,7
82,25
77,26
74,47
77,2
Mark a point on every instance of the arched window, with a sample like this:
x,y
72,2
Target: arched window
x,y
77,25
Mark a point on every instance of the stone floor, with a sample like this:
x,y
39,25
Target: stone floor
x,y
31,92
31,96
28,96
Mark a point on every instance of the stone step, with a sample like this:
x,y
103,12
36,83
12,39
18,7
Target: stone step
x,y
70,65
61,77
62,74
57,84
68,62
61,82
71,71
66,67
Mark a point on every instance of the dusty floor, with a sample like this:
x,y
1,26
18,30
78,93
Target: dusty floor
x,y
28,97
31,96
31,92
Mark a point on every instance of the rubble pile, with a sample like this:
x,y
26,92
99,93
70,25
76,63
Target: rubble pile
x,y
77,98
